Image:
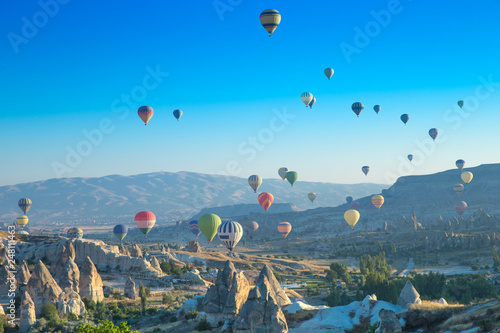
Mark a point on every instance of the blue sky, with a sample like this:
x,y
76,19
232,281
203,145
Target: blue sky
x,y
214,61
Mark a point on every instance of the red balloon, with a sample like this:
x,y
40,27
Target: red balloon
x,y
266,200
460,207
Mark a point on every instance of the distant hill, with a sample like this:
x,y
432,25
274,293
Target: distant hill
x,y
171,196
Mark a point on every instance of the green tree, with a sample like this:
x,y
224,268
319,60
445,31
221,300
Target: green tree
x,y
104,327
342,271
49,311
167,299
144,298
496,258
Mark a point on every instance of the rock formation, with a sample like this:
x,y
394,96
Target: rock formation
x,y
408,296
64,270
90,281
389,323
70,302
225,298
193,276
155,264
42,287
27,316
193,246
6,279
123,250
23,275
262,310
136,251
129,290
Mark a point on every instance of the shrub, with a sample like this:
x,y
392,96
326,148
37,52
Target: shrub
x,y
191,315
203,325
49,311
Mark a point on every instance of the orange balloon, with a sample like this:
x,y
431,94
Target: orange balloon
x,y
266,200
377,201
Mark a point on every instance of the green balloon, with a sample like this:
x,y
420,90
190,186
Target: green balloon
x,y
292,177
208,225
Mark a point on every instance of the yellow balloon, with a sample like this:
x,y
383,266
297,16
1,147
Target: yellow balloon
x,y
467,176
377,201
351,217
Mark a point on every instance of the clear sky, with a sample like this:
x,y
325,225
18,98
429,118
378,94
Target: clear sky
x,y
72,67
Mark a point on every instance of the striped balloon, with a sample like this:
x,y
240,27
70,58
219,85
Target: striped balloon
x,y
23,232
355,205
357,108
460,207
306,97
75,233
282,172
378,201
120,231
145,221
22,220
230,233
254,181
284,228
270,19
266,200
177,114
458,188
193,226
24,204
312,102
145,113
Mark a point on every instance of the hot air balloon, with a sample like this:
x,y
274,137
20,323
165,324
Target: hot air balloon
x,y
252,225
312,102
466,176
460,207
410,157
355,205
378,201
284,228
460,103
145,221
230,233
329,72
306,97
404,118
270,19
365,169
460,164
292,177
458,188
351,217
282,172
23,232
75,233
312,196
433,132
254,181
348,199
120,231
22,220
177,114
193,226
357,108
266,200
377,108
145,113
208,225
24,204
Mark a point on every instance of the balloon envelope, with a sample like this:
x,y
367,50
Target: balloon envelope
x,y
145,113
282,172
208,225
460,207
460,164
292,177
193,226
410,157
284,228
230,233
266,200
467,176
24,204
270,19
120,231
22,220
23,232
458,188
377,108
145,221
351,217
404,118
378,201
306,97
329,72
254,181
357,108
312,102
433,132
355,205
365,169
348,199
252,225
460,103
75,233
312,196
177,114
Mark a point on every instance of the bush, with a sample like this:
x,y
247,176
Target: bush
x,y
203,325
152,311
49,311
167,299
191,315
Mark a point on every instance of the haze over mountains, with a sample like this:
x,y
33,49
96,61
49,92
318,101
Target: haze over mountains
x,y
171,196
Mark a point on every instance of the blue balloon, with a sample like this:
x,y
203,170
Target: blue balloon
x,y
404,118
177,114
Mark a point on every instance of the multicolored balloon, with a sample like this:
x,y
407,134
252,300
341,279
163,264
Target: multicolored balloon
x,y
266,200
348,199
378,201
460,103
254,181
208,225
351,217
312,102
433,132
177,114
145,113
230,233
328,72
145,221
357,108
311,196
460,207
193,226
306,98
22,220
466,176
292,177
23,232
282,172
458,188
270,19
75,233
365,170
355,205
410,157
460,164
377,108
24,204
404,118
284,228
120,231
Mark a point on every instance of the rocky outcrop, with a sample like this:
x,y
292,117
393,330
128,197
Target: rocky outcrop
x,y
408,296
7,280
225,298
136,251
155,264
267,277
42,287
193,246
64,270
389,322
27,316
129,290
442,301
123,250
193,304
23,275
90,281
452,240
70,302
193,277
